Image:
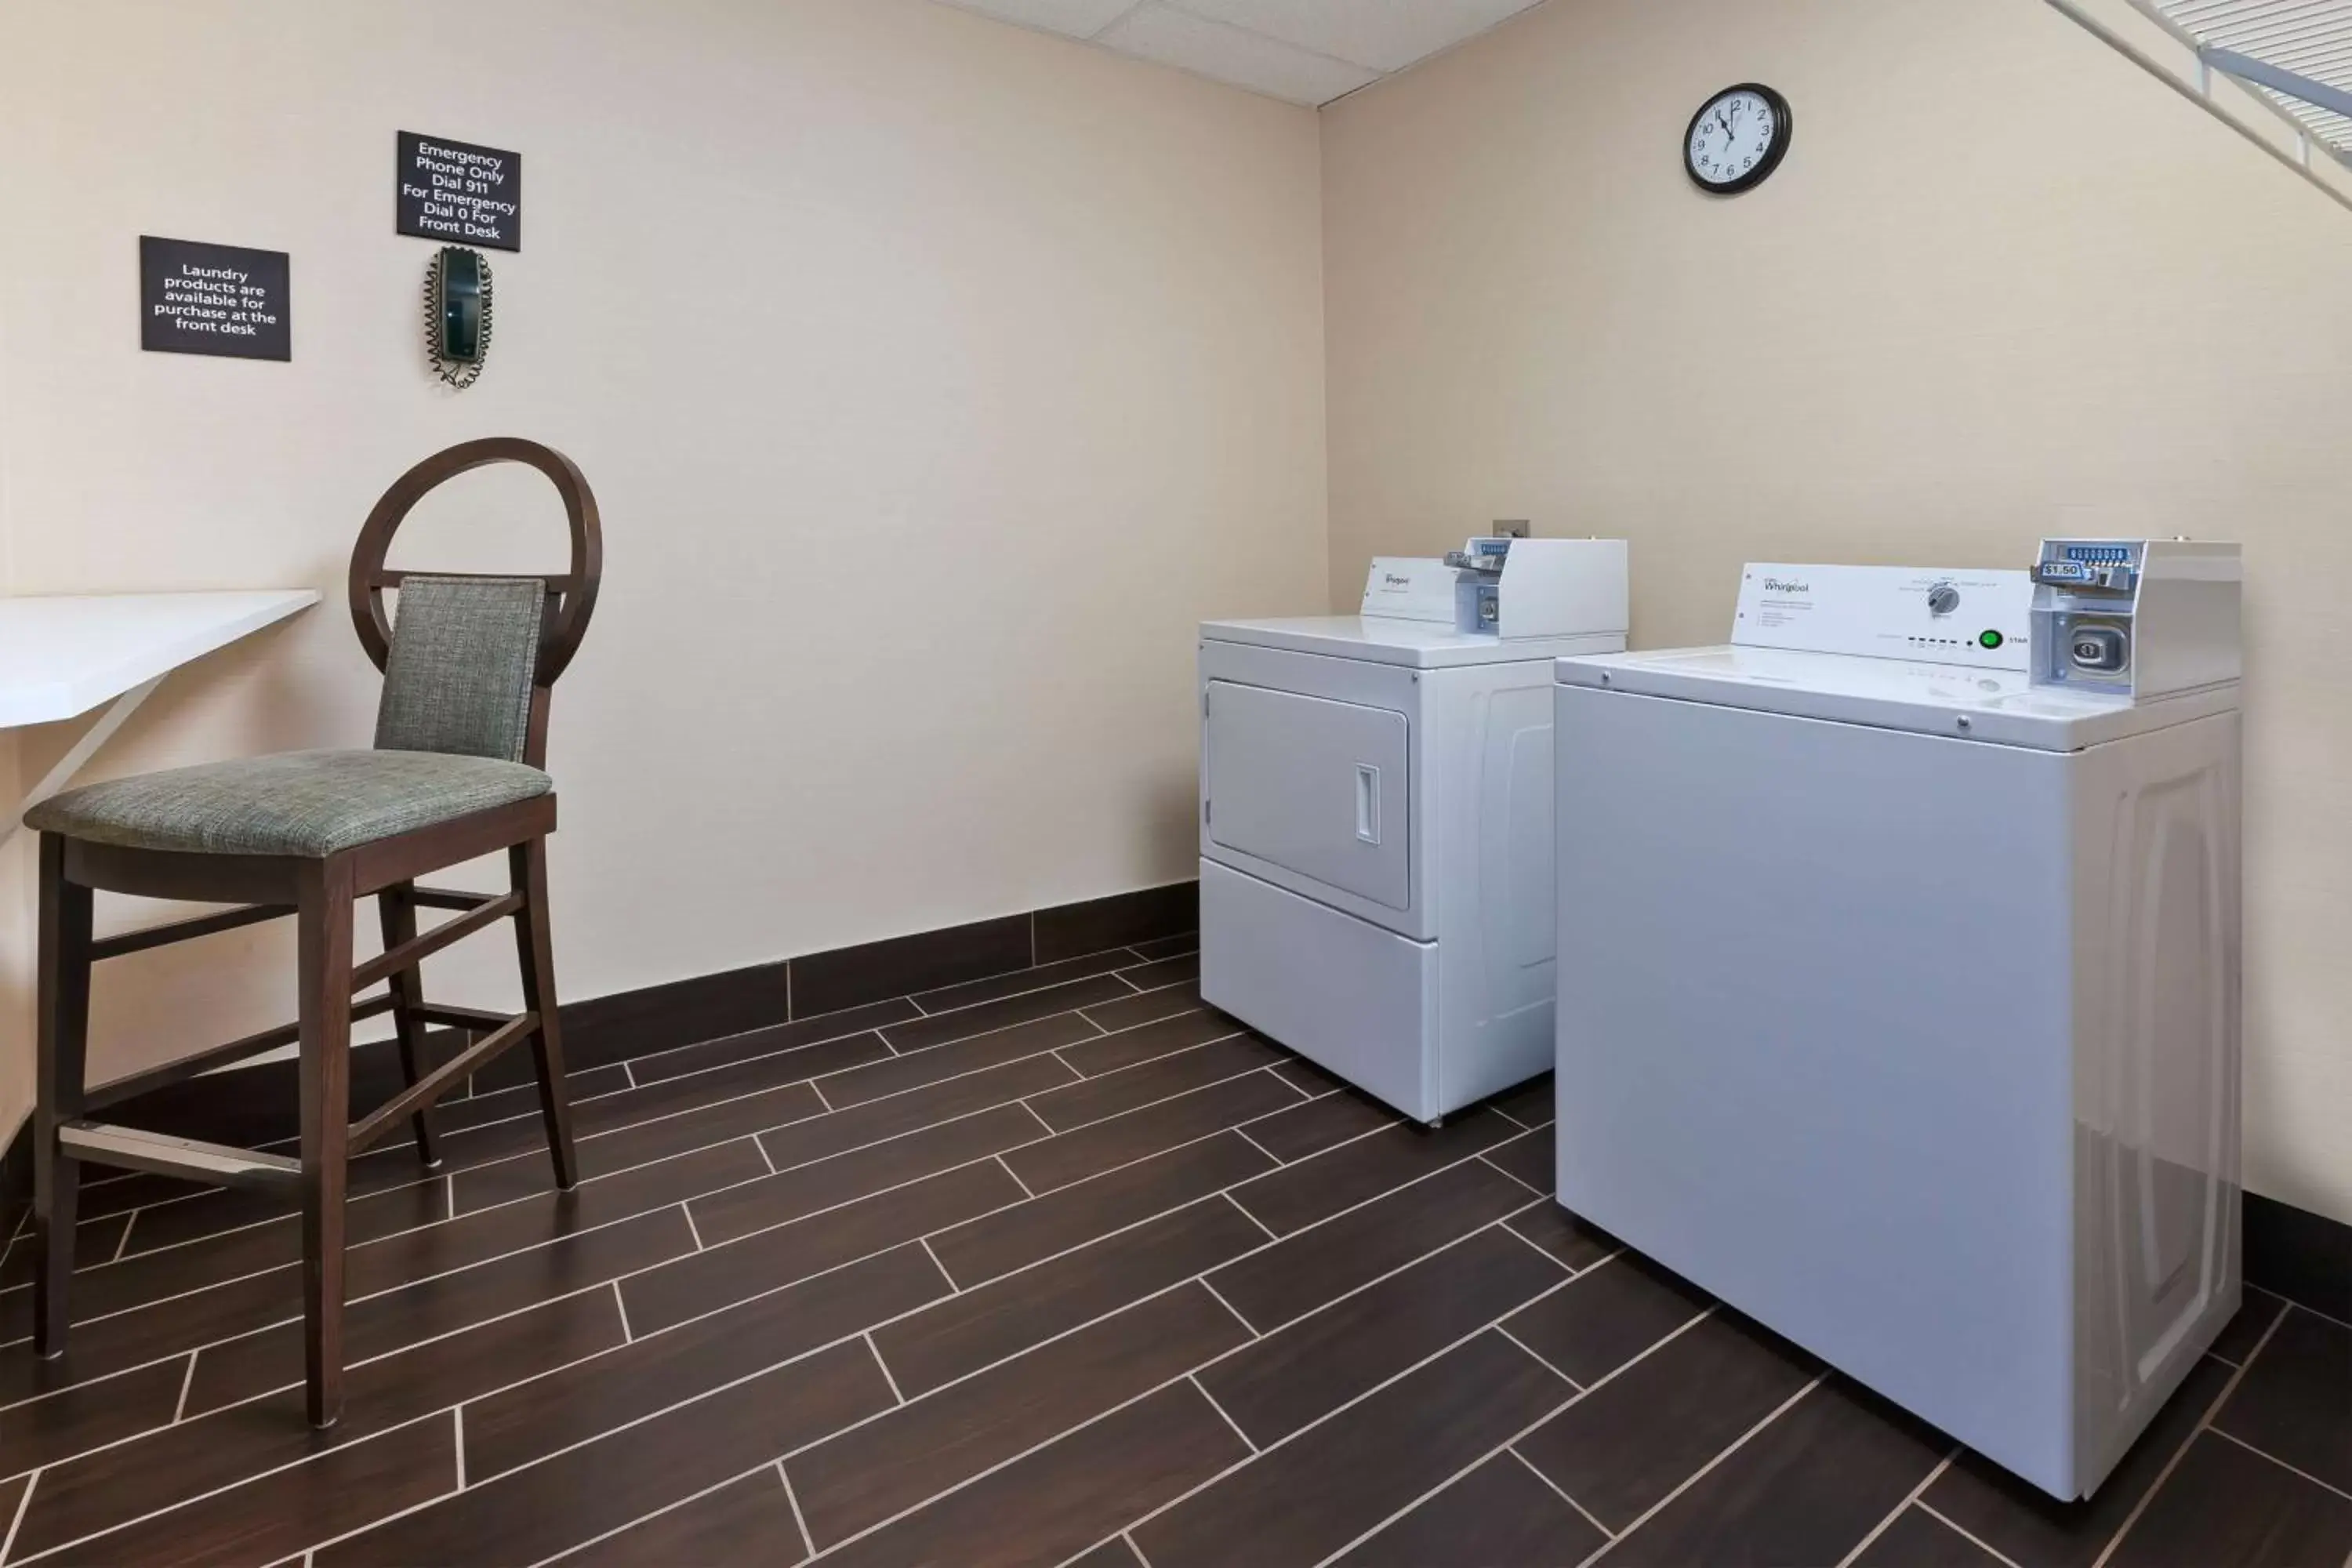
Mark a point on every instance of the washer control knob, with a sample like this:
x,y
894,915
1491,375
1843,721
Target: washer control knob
x,y
1943,599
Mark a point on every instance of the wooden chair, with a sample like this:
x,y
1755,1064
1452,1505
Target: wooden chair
x,y
461,737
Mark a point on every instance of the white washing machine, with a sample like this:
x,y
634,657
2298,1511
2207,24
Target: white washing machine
x,y
1900,986
1376,818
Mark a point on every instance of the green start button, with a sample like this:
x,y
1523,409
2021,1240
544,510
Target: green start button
x,y
1991,639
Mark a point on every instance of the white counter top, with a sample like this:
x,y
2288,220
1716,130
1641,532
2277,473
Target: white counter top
x,y
64,655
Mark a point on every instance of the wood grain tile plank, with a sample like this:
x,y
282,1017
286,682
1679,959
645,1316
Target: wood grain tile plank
x,y
747,1521
981,1249
2294,1402
1166,947
1122,1140
478,1109
1528,1158
692,1286
1127,1011
282,1514
96,1241
1297,1195
1000,1319
1532,1104
1917,1538
1500,1513
1108,1053
272,1358
168,1329
2225,1504
1055,1502
170,1467
2032,1529
1563,1235
1173,969
941,1063
804,1189
869,1474
627,1148
1304,1371
1609,1315
1627,1444
616,1479
2256,1312
1313,1267
158,1265
1132,1089
1306,1130
805,1141
12,1493
75,1420
1806,1489
506,1431
1034,1013
772,1040
1333,1482
1043,978
242,1307
1309,1079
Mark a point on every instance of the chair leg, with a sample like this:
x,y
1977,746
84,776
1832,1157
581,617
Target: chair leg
x,y
398,912
324,916
64,1035
534,947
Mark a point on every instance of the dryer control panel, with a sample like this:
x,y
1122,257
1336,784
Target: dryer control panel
x,y
2136,617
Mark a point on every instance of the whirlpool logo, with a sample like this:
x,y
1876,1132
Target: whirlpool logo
x,y
1780,586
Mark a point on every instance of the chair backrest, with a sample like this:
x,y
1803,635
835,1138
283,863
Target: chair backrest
x,y
469,660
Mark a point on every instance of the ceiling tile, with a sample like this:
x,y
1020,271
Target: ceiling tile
x,y
1385,35
1078,18
1172,37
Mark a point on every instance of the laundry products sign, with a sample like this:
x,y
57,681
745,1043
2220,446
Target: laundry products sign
x,y
199,299
459,194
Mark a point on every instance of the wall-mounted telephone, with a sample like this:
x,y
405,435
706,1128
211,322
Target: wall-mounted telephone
x,y
457,314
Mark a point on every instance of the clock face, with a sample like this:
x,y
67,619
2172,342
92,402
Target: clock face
x,y
1736,138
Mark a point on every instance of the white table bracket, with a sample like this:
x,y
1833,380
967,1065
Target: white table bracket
x,y
72,763
62,656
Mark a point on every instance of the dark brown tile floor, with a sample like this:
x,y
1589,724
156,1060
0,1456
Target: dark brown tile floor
x,y
1055,1268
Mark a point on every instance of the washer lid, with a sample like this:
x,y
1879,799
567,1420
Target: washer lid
x,y
1382,639
1994,705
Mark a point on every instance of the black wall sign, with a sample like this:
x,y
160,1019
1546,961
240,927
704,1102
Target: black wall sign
x,y
199,299
461,193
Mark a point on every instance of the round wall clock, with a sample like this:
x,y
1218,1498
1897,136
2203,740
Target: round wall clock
x,y
1736,138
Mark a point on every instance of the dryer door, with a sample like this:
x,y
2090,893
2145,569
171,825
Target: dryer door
x,y
1316,786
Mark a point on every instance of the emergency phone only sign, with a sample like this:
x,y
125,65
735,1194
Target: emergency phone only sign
x,y
459,194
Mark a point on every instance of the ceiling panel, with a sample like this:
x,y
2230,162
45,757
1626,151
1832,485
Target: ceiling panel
x,y
1307,51
1174,38
1078,18
1385,35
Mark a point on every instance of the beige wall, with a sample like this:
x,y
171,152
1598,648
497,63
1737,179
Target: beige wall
x,y
935,378
2005,284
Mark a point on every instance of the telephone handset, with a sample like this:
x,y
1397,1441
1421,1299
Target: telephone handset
x,y
457,314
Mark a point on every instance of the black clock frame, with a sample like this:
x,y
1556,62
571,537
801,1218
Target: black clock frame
x,y
1784,126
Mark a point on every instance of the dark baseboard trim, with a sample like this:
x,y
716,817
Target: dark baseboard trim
x,y
252,1106
2302,1256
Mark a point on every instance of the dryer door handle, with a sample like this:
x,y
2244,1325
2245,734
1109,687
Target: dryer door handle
x,y
1368,802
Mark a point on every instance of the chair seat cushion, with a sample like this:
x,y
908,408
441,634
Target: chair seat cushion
x,y
308,803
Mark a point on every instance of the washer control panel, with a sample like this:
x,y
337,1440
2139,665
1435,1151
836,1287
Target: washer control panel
x,y
1977,619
